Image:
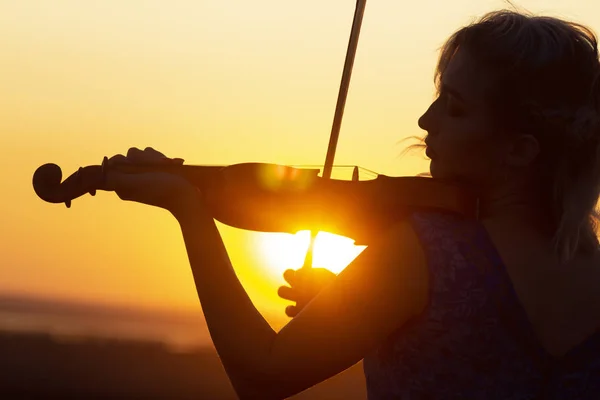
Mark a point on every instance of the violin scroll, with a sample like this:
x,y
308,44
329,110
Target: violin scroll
x,y
48,185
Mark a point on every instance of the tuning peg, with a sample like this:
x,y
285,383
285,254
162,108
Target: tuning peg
x,y
78,175
104,167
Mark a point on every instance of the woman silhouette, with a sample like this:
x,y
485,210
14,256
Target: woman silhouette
x,y
506,307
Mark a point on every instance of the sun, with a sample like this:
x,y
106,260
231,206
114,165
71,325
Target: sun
x,y
280,251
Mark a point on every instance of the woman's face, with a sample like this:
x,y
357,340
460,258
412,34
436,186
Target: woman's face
x,y
461,141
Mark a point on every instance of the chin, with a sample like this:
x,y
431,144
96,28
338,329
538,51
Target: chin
x,y
434,170
438,172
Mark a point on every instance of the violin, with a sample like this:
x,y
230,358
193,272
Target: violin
x,y
267,197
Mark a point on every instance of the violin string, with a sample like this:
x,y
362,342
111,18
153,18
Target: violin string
x,y
369,171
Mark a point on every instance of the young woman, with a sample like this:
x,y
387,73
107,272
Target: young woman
x,y
506,307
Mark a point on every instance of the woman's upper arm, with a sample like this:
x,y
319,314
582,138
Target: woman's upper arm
x,y
382,288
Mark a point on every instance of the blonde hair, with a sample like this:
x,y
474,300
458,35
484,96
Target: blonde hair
x,y
545,82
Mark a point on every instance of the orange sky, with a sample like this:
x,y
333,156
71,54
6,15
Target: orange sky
x,y
214,82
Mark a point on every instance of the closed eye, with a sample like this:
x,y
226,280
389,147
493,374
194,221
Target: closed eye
x,y
453,106
453,101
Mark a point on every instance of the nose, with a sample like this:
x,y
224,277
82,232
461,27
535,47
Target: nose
x,y
426,120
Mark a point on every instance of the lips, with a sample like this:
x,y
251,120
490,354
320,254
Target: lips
x,y
430,153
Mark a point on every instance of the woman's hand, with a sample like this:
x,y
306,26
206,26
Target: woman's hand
x,y
305,284
159,189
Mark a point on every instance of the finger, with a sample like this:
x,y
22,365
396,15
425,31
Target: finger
x,y
135,154
149,154
118,159
153,154
290,276
291,311
176,161
286,292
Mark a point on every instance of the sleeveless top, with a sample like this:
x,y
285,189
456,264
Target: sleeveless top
x,y
473,340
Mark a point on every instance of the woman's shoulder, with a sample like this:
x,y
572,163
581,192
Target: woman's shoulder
x,y
462,261
445,236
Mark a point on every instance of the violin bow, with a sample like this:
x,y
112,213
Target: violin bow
x,y
339,111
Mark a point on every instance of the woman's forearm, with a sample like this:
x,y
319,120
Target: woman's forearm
x,y
241,335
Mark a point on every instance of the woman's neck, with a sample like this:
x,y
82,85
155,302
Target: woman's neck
x,y
516,205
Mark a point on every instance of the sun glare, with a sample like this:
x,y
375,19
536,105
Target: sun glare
x,y
282,251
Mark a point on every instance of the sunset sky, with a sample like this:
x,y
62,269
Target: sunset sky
x,y
213,82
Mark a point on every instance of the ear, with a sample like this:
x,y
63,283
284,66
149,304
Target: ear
x,y
523,151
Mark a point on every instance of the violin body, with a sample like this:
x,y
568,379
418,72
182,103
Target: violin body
x,y
276,198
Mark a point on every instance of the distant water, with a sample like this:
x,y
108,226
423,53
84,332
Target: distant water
x,y
69,321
